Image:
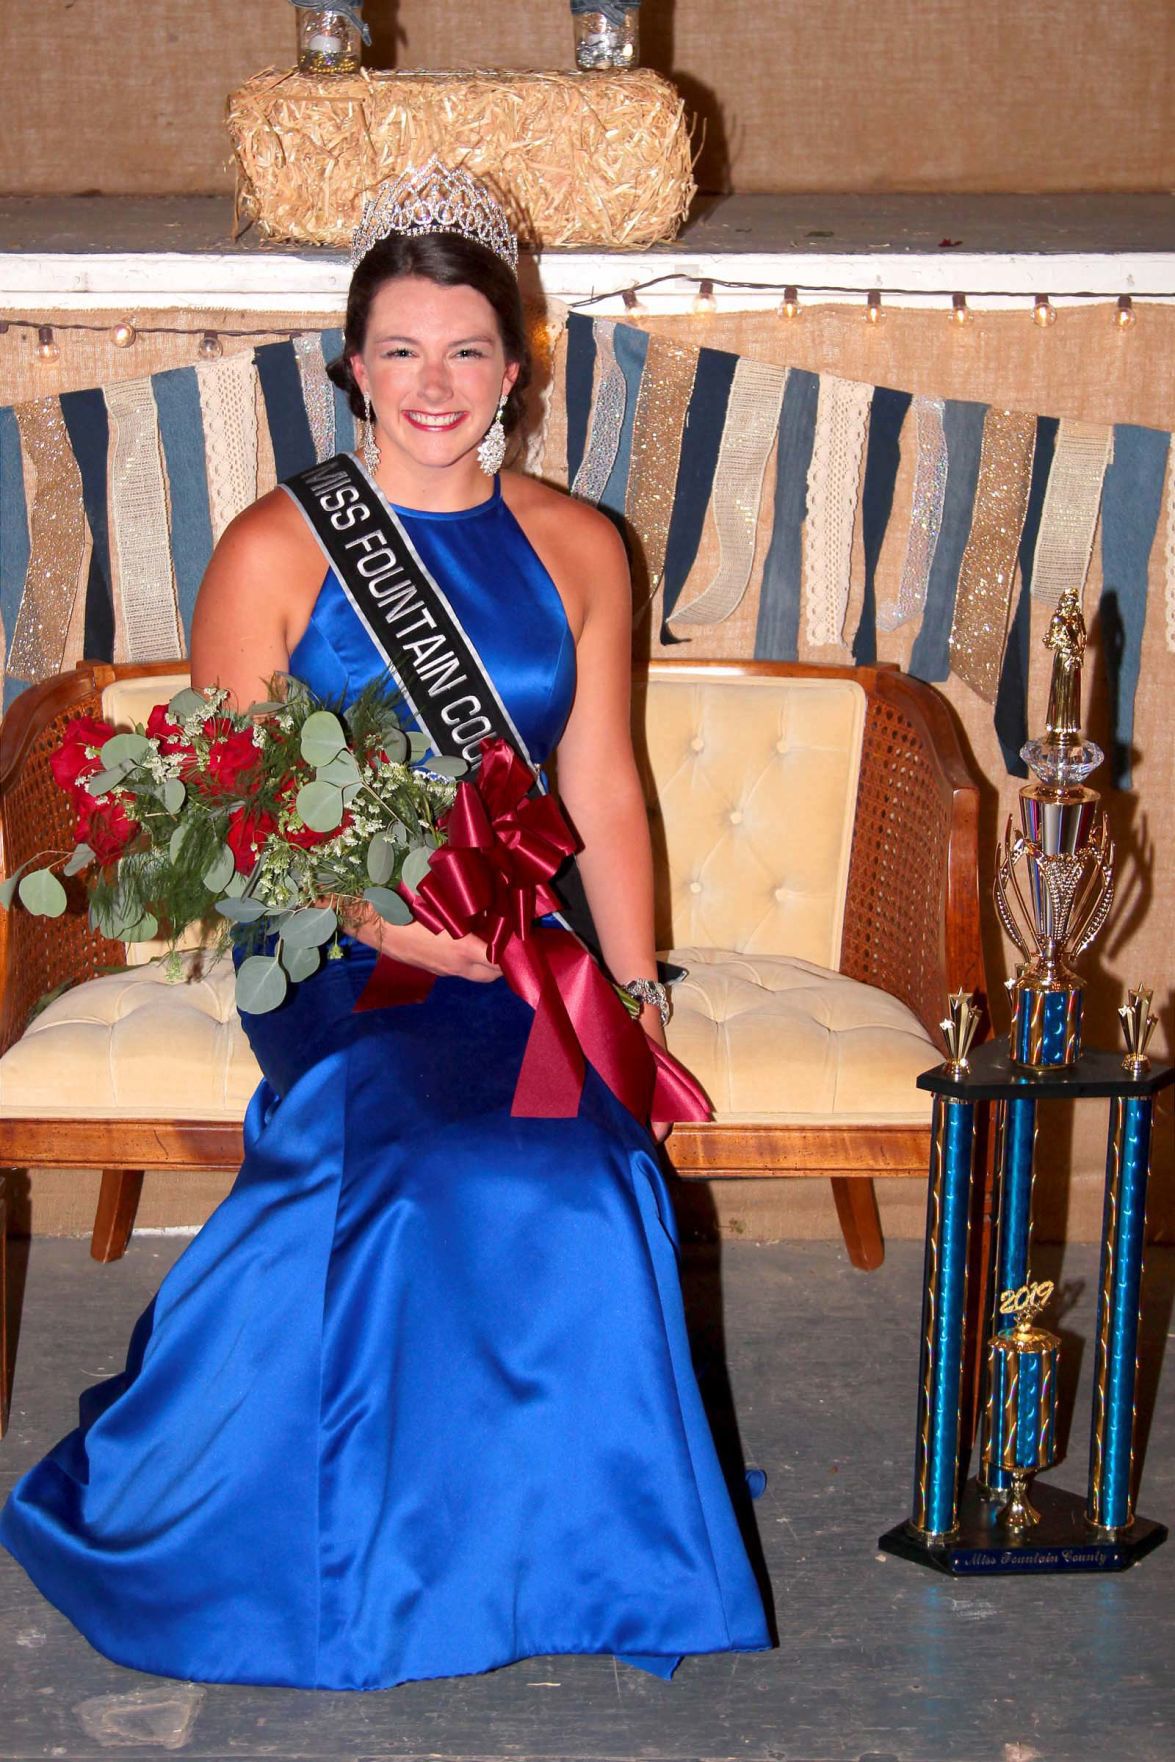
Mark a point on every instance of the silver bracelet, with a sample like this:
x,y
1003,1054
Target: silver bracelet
x,y
650,991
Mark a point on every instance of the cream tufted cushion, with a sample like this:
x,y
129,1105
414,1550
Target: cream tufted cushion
x,y
135,1046
128,701
753,781
780,1041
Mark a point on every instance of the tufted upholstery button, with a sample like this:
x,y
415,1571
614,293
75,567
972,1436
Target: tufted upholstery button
x,y
696,744
781,894
695,886
736,816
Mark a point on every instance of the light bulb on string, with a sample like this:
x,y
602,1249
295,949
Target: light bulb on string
x,y
1044,312
704,300
209,348
1125,315
124,335
959,314
790,305
47,347
631,303
873,307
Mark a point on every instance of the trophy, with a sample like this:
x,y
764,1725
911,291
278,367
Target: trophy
x,y
1022,1385
1066,856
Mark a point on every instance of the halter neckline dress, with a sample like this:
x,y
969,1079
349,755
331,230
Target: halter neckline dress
x,y
417,1400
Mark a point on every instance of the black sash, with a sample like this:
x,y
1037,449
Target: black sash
x,y
414,629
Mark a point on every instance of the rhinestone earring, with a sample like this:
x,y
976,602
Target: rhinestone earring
x,y
370,445
492,448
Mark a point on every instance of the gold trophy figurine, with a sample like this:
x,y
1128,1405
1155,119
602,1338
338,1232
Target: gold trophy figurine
x,y
1067,858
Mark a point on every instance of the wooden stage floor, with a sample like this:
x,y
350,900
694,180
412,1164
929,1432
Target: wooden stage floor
x,y
878,1661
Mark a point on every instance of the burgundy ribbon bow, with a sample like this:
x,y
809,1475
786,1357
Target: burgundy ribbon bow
x,y
490,879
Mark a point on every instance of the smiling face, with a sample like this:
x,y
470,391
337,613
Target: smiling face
x,y
435,370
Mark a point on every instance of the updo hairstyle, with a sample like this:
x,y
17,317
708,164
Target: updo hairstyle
x,y
451,261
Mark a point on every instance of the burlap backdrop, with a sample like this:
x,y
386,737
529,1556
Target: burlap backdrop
x,y
859,95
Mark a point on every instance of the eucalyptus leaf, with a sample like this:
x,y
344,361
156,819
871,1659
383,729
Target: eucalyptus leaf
x,y
42,893
300,962
419,746
267,707
395,744
174,794
240,911
398,832
381,859
9,885
188,703
391,908
350,791
125,749
341,769
445,766
175,843
235,887
323,738
320,805
104,781
261,984
81,858
310,927
416,865
220,871
142,930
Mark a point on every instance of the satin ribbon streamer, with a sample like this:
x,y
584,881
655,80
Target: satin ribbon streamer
x,y
882,458
778,625
1011,704
490,879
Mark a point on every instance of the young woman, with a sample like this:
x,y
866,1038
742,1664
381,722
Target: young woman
x,y
418,1399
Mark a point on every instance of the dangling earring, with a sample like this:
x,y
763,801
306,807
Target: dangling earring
x,y
370,445
492,449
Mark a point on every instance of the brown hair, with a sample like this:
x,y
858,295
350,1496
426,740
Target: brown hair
x,y
451,261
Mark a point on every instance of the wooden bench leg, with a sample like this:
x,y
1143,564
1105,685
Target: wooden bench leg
x,y
118,1201
860,1220
5,1390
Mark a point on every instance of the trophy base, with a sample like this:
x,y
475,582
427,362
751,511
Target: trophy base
x,y
1063,1541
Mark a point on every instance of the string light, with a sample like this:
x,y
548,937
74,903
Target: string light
x,y
959,314
704,300
124,334
631,303
873,307
1125,315
47,348
1044,312
209,348
790,304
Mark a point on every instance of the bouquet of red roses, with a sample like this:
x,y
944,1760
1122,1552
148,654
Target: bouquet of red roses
x,y
283,822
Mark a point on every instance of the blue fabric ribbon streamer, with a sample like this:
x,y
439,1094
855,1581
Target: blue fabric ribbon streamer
x,y
87,423
631,348
1130,515
962,423
701,442
289,426
181,432
14,536
1011,704
777,631
882,457
331,342
581,367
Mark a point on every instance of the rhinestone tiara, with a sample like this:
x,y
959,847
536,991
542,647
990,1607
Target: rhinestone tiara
x,y
435,198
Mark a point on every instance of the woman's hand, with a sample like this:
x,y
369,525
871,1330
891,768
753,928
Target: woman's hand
x,y
453,957
650,1021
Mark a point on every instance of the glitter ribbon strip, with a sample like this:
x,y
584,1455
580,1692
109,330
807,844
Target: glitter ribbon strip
x,y
14,535
752,426
1011,704
1130,516
882,458
228,411
317,395
930,488
1064,544
984,596
834,479
177,403
147,621
279,371
607,420
58,540
666,386
778,625
705,423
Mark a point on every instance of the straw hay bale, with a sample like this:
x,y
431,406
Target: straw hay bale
x,y
578,159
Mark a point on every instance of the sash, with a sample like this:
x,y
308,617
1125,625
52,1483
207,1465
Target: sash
x,y
415,631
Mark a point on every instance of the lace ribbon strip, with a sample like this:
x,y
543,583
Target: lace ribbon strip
x,y
58,544
834,487
607,419
147,623
984,596
228,409
752,425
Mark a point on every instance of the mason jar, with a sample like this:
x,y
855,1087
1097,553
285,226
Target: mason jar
x,y
607,34
329,39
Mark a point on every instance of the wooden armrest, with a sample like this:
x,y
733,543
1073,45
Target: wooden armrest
x,y
912,907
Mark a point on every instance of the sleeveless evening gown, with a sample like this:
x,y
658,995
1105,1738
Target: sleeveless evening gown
x,y
418,1400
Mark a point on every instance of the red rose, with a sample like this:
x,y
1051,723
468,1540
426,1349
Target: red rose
x,y
105,826
163,728
71,764
231,759
306,838
245,835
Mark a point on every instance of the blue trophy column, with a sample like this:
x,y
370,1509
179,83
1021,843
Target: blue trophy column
x,y
1015,1143
1111,1455
944,1305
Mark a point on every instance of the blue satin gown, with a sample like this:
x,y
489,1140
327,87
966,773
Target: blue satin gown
x,y
418,1400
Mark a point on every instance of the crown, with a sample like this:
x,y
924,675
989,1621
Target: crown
x,y
435,198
